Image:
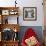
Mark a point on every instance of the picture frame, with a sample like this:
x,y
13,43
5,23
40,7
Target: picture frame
x,y
5,12
29,13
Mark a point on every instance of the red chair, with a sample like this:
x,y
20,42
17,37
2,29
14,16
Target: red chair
x,y
29,33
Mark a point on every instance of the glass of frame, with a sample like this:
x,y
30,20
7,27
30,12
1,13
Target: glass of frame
x,y
12,20
29,13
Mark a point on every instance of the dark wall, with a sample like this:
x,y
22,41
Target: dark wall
x,y
37,29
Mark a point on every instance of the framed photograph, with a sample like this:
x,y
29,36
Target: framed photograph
x,y
30,13
5,12
13,12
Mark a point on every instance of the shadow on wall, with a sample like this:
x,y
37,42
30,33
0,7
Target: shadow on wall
x,y
37,29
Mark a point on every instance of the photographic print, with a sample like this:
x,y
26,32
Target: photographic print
x,y
5,12
30,13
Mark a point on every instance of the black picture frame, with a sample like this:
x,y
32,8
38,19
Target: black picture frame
x,y
29,13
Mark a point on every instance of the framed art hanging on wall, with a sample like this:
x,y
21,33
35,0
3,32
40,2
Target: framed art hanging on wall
x,y
29,13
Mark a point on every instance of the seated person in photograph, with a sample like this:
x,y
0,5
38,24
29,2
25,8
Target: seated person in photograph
x,y
30,39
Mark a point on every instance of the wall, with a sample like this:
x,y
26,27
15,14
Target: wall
x,y
34,3
27,3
